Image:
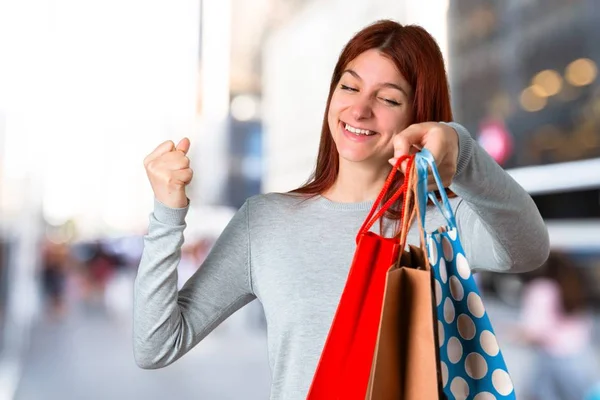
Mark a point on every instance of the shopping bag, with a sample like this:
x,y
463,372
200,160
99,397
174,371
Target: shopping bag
x,y
344,368
471,362
405,364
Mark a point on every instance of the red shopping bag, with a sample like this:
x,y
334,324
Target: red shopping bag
x,y
344,368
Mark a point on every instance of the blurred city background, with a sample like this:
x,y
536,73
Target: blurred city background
x,y
88,88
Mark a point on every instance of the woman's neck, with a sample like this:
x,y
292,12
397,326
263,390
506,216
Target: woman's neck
x,y
356,183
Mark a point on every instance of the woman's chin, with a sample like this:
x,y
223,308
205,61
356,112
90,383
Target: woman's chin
x,y
357,157
359,153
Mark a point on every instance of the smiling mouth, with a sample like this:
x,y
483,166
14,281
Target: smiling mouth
x,y
357,131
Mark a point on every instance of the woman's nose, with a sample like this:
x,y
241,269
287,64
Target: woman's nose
x,y
361,109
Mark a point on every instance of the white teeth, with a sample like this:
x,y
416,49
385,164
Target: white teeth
x,y
357,131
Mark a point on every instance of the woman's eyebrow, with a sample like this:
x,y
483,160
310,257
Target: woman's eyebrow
x,y
386,84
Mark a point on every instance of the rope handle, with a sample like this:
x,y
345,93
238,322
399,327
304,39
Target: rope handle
x,y
374,215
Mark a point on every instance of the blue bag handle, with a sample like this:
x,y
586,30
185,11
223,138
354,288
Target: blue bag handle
x,y
424,159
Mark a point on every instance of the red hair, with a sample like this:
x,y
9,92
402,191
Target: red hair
x,y
418,58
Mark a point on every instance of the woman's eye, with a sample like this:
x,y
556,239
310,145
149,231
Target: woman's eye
x,y
391,102
348,88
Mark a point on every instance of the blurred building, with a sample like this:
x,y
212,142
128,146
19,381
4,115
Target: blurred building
x,y
244,178
525,83
228,144
4,275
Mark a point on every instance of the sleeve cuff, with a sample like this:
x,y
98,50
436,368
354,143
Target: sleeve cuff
x,y
168,215
466,146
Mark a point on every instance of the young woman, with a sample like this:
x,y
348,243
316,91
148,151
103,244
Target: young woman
x,y
292,251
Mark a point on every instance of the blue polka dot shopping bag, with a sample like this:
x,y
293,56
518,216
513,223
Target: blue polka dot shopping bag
x,y
472,366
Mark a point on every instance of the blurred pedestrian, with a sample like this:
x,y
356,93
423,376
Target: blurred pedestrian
x,y
54,277
557,322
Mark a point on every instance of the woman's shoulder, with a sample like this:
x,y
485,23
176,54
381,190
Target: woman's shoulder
x,y
276,199
272,210
276,203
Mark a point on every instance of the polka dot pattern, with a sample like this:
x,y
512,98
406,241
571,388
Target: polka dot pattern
x,y
438,293
433,249
448,310
502,382
466,327
462,266
444,373
489,343
452,234
455,350
476,366
485,396
475,305
472,366
459,388
447,249
456,288
443,271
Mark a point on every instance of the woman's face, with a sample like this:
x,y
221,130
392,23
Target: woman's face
x,y
370,104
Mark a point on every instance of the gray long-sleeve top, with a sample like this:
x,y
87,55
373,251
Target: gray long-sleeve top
x,y
294,257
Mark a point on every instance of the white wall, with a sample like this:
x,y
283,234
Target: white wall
x,y
90,88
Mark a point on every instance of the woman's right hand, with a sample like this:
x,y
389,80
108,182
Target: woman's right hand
x,y
169,172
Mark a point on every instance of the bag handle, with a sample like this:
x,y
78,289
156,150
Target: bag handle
x,y
420,201
414,209
407,218
425,160
374,215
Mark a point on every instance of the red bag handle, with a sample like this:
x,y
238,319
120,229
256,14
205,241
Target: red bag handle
x,y
373,216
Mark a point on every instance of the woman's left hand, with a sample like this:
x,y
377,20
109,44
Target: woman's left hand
x,y
440,139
